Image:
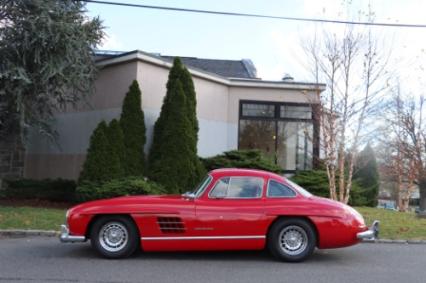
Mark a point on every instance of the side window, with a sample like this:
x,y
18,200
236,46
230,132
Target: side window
x,y
238,187
276,189
220,189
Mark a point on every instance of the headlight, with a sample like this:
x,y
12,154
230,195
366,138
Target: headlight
x,y
67,214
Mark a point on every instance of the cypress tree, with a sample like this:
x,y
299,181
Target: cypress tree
x,y
191,100
191,109
367,175
132,123
173,154
183,153
101,162
117,148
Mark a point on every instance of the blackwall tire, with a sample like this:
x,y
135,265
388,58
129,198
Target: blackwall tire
x,y
114,236
292,240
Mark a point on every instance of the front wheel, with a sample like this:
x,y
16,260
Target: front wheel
x,y
114,236
292,239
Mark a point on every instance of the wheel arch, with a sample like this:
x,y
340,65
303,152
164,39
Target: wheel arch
x,y
306,218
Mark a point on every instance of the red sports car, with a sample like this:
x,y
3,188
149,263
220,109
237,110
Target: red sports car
x,y
231,209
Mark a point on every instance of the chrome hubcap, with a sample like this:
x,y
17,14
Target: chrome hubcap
x,y
293,240
113,236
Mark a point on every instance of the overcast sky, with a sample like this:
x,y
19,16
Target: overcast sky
x,y
272,45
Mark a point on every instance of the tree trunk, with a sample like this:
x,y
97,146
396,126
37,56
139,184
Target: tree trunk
x,y
422,190
12,157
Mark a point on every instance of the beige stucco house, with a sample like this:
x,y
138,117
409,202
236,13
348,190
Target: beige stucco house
x,y
235,110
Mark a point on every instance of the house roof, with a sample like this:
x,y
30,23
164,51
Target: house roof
x,y
109,58
243,69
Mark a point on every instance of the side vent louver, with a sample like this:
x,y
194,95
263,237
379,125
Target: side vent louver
x,y
171,225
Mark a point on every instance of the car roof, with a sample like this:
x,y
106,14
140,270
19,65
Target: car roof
x,y
244,172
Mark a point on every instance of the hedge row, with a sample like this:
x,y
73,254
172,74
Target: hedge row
x,y
67,191
52,190
316,182
252,159
119,187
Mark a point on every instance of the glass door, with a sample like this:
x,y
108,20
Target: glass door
x,y
258,134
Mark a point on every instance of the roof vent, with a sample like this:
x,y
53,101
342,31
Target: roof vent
x,y
287,78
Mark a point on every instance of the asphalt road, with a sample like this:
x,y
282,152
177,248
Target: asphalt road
x,y
46,260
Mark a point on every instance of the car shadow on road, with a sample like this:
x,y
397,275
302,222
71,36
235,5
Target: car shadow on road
x,y
85,251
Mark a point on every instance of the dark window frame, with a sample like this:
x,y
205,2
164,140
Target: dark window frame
x,y
277,117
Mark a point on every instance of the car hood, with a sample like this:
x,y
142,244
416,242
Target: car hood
x,y
132,204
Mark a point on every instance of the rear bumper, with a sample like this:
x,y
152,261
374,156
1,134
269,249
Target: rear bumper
x,y
371,234
65,236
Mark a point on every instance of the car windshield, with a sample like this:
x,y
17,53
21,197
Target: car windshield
x,y
202,186
301,190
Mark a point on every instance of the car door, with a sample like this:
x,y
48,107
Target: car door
x,y
232,211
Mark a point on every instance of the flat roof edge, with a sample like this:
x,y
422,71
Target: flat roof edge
x,y
138,55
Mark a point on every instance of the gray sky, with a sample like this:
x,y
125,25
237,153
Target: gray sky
x,y
273,45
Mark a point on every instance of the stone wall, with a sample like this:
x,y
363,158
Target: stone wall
x,y
12,158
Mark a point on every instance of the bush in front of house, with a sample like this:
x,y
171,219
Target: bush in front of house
x,y
252,159
132,123
117,187
173,160
52,190
316,182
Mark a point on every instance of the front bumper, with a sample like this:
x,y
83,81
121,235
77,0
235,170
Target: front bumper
x,y
65,236
371,234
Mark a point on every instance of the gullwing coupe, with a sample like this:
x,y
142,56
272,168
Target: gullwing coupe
x,y
231,209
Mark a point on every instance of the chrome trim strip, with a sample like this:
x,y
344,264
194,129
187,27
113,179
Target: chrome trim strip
x,y
65,236
202,238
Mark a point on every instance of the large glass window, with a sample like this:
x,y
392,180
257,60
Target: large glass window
x,y
258,110
296,111
238,187
294,145
283,132
258,134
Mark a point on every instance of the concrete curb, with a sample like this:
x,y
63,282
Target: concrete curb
x,y
388,241
28,233
50,233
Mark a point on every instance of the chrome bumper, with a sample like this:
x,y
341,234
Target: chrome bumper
x,y
371,234
65,236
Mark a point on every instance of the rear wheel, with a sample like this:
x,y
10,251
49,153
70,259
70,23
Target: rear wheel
x,y
114,236
292,239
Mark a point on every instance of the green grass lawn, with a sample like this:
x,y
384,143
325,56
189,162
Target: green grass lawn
x,y
31,218
395,225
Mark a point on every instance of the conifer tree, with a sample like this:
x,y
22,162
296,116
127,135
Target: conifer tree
x,y
101,162
184,141
191,101
172,158
191,109
116,143
132,123
367,175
